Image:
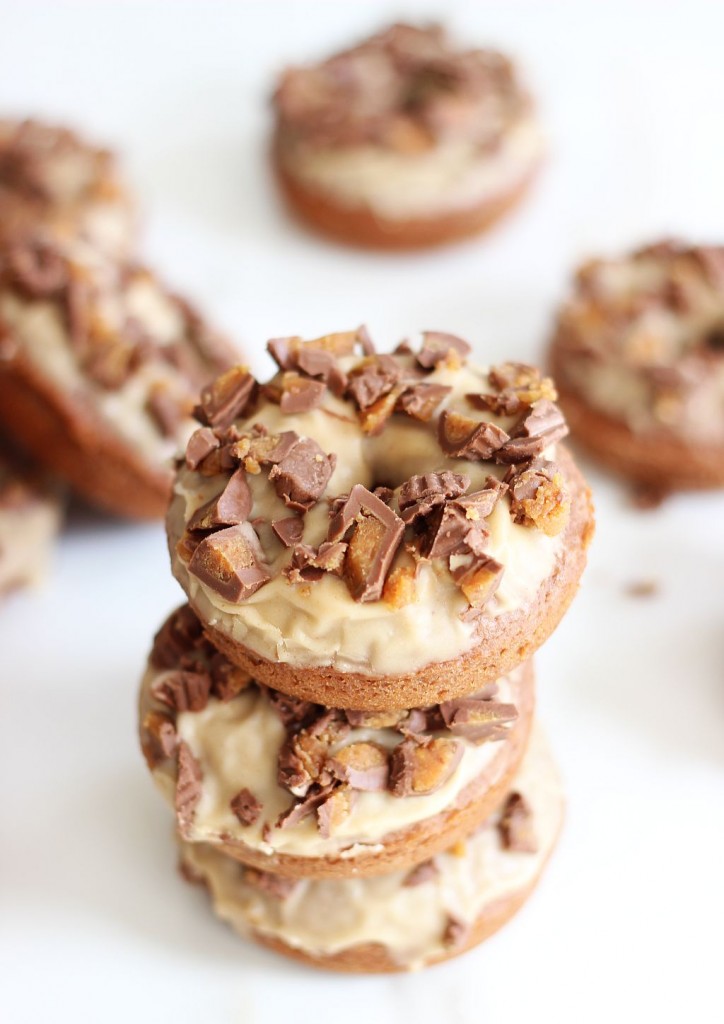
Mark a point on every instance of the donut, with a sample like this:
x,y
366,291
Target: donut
x,y
50,177
405,140
402,920
638,354
30,513
306,791
99,366
375,532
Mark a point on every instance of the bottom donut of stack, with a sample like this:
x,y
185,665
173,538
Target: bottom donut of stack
x,y
351,841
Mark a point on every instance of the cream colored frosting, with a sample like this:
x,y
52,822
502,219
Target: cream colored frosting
x,y
237,745
454,175
321,624
27,533
324,917
619,329
41,335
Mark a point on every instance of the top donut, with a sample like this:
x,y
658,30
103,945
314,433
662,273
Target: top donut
x,y
638,351
52,179
406,138
378,530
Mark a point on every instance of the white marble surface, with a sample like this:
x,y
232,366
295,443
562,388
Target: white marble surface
x,y
627,924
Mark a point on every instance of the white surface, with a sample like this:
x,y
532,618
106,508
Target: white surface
x,y
627,924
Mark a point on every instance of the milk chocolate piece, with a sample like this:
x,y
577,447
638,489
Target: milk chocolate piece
x,y
276,886
183,691
374,377
479,580
309,564
231,563
229,508
517,385
300,394
538,496
516,825
304,808
227,680
417,769
450,531
293,711
478,720
376,535
421,400
419,495
301,477
374,417
542,426
333,810
302,757
456,933
182,632
289,530
188,787
461,437
158,737
437,346
421,873
165,409
37,268
363,766
226,398
246,807
201,443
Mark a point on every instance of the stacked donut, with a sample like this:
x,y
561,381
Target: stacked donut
x,y
372,547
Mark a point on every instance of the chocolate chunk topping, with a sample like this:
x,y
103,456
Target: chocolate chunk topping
x,y
478,720
276,886
541,426
310,564
246,807
188,787
183,691
333,810
37,268
230,563
375,537
226,398
227,680
538,496
451,531
289,530
421,873
181,633
374,377
456,933
262,449
165,409
293,712
517,386
229,508
303,808
362,766
421,400
201,443
419,495
479,580
463,438
300,394
301,477
516,825
438,346
417,769
158,738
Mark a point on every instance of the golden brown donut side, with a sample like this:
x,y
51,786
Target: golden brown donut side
x,y
69,438
503,642
359,226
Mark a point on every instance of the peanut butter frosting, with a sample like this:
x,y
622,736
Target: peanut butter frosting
x,y
407,125
50,177
434,464
416,916
642,340
109,338
282,754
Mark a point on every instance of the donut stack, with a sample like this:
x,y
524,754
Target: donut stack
x,y
372,547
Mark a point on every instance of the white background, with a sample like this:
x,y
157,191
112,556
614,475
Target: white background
x,y
627,923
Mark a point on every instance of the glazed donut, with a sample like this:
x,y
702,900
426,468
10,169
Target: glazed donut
x,y
376,532
305,791
51,178
638,355
402,920
99,365
405,140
